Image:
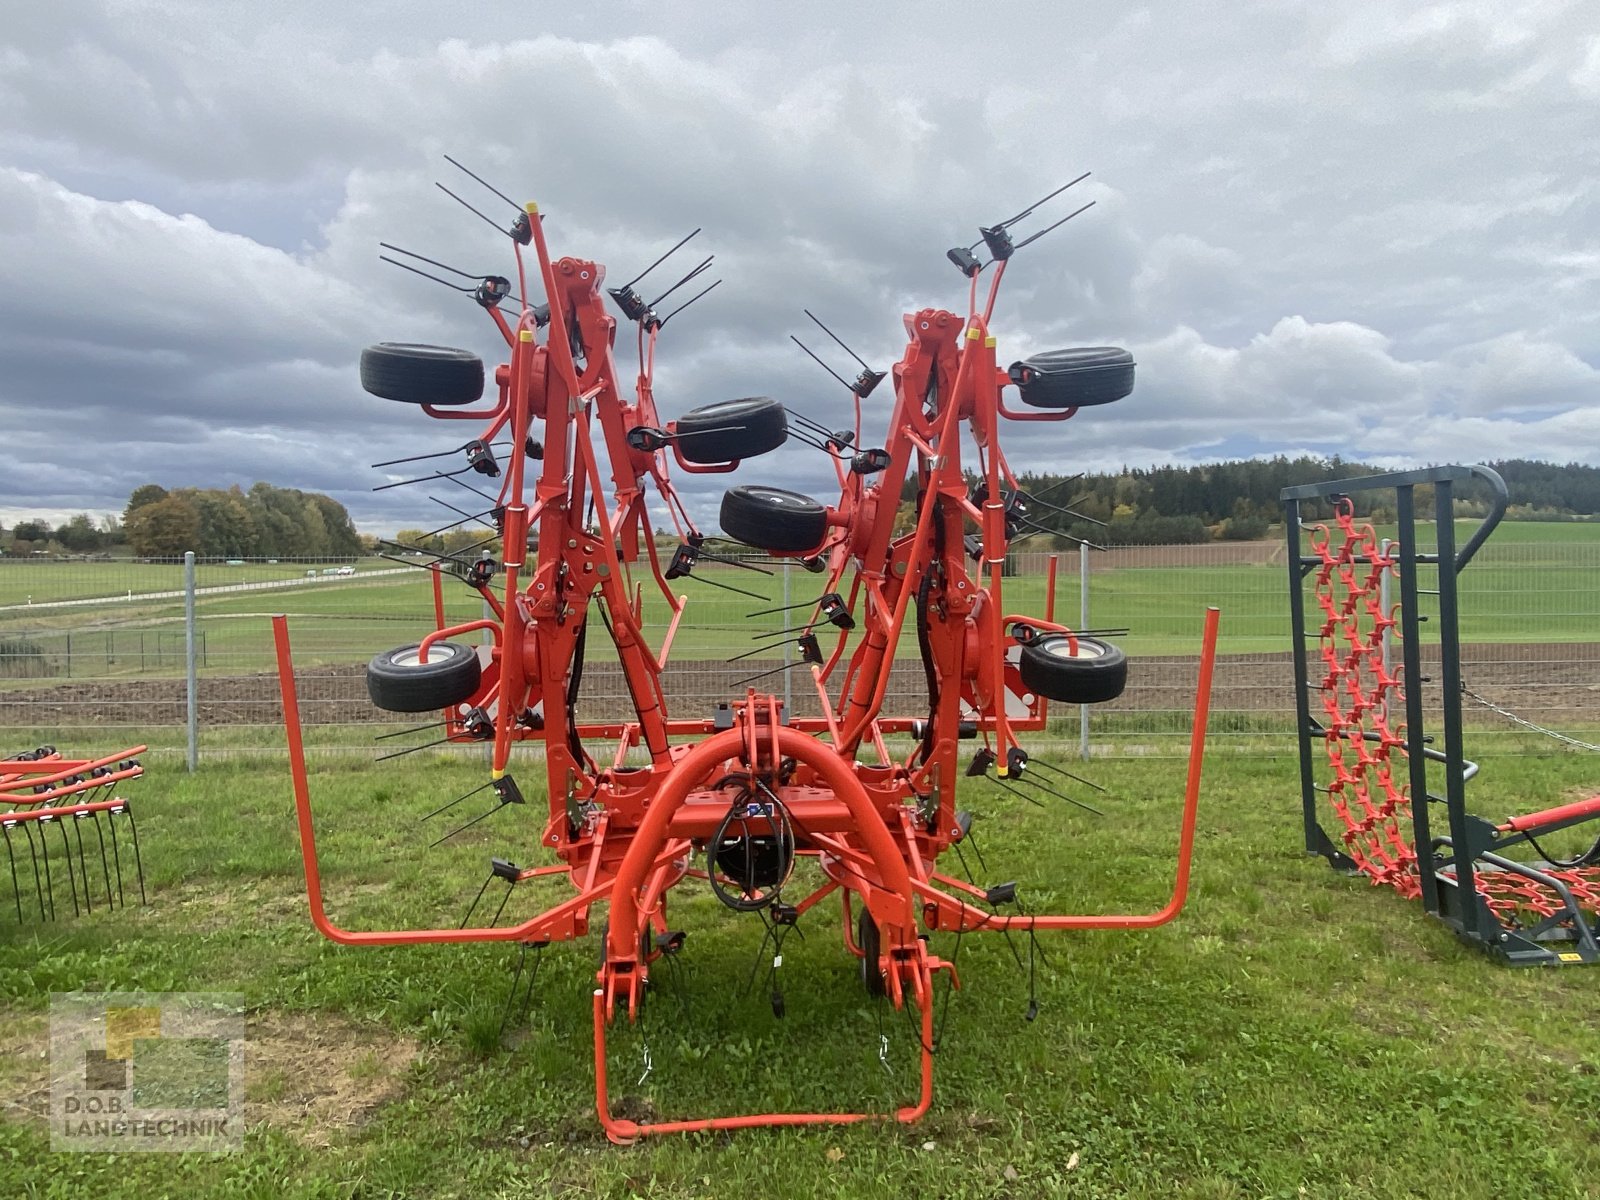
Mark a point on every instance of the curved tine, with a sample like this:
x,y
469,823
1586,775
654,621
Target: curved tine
x,y
454,287
138,862
836,338
690,301
681,244
16,890
431,262
485,183
1009,221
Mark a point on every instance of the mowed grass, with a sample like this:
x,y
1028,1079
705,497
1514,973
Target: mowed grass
x,y
1294,1033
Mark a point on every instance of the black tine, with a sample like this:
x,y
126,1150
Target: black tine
x,y
40,890
495,920
458,800
417,457
727,587
978,850
414,729
1029,210
733,562
704,265
815,426
384,487
1035,237
1063,482
469,208
1017,792
485,183
16,889
83,864
116,857
431,262
760,650
412,750
468,825
690,301
1062,796
836,338
818,361
452,507
478,519
1039,762
461,483
66,853
138,862
516,978
965,870
660,260
764,674
473,907
454,287
105,867
767,612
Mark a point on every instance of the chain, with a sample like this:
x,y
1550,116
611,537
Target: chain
x,y
1525,723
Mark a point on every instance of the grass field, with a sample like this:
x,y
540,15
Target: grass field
x,y
1533,583
1294,1033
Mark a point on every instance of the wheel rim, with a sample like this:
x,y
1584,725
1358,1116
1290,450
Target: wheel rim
x,y
1062,648
412,658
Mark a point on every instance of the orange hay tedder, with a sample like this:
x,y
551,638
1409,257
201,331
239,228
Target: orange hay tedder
x,y
736,796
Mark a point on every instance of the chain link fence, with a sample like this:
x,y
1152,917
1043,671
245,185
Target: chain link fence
x,y
98,650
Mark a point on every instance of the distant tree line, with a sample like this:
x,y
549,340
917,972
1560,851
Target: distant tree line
x,y
265,522
1238,500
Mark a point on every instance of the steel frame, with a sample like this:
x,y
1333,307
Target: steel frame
x,y
1461,877
624,834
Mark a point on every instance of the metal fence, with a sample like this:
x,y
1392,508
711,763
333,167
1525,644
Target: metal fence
x,y
97,650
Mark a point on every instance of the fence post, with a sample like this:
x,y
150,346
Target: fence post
x,y
1083,623
189,647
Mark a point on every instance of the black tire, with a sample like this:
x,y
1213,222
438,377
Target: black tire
x,y
417,374
871,947
1098,672
397,682
1077,378
773,519
734,429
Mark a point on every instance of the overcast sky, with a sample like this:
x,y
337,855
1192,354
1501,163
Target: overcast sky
x,y
1363,228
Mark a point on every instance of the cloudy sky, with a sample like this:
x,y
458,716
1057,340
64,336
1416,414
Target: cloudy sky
x,y
1363,228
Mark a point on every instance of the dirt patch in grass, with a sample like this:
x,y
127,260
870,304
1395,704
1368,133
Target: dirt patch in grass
x,y
318,1075
25,1067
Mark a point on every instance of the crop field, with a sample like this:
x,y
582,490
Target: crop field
x,y
1293,1033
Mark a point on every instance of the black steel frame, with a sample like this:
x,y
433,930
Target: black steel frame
x,y
1448,866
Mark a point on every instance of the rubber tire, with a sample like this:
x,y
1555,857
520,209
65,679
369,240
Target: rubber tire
x,y
397,682
1098,673
703,437
773,519
871,947
1075,378
418,374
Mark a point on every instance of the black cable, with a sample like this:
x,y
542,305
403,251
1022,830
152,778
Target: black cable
x,y
1588,858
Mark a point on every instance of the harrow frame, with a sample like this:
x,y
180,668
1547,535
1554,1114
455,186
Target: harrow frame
x,y
1525,914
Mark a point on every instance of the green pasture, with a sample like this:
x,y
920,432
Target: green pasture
x,y
1294,1033
1543,587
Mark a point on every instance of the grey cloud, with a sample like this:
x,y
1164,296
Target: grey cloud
x,y
1300,212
